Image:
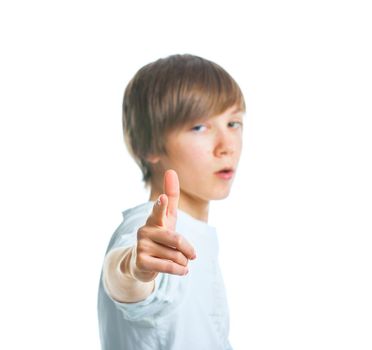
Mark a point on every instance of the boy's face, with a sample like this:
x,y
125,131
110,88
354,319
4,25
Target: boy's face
x,y
198,152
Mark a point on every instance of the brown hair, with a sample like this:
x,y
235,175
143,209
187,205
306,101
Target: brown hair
x,y
167,94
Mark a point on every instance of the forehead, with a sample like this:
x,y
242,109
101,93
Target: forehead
x,y
233,111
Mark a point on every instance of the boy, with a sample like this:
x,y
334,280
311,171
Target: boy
x,y
161,285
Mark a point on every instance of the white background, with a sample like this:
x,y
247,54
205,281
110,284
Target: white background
x,y
295,234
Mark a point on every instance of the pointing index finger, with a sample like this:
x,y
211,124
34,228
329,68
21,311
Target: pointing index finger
x,y
172,190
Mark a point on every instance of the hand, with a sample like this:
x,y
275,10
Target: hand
x,y
159,247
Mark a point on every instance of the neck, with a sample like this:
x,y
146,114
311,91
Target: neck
x,y
197,208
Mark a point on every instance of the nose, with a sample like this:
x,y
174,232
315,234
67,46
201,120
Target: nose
x,y
224,144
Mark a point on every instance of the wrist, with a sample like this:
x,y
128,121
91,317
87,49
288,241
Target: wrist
x,y
129,267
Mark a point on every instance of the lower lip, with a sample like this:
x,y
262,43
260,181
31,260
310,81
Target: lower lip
x,y
225,175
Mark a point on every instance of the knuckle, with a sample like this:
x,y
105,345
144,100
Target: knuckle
x,y
143,246
141,262
168,232
144,233
178,240
172,269
181,258
140,247
141,232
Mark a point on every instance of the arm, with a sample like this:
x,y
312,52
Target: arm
x,y
129,273
122,278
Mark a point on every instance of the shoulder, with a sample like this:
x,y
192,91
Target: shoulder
x,y
133,218
137,213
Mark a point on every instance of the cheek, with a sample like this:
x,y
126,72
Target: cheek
x,y
192,151
198,156
191,157
240,146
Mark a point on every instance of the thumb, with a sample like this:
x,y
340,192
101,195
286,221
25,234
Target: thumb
x,y
159,211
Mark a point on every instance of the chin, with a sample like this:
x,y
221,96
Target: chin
x,y
219,196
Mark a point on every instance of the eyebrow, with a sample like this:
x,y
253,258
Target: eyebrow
x,y
239,113
238,110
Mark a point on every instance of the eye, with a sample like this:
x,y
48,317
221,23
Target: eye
x,y
198,127
237,124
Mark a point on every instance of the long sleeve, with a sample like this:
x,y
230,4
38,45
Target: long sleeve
x,y
122,280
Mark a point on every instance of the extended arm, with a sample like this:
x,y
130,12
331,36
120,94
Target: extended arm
x,y
129,273
120,276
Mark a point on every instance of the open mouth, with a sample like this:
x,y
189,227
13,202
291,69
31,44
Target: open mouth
x,y
225,170
226,173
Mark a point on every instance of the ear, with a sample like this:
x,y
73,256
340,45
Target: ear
x,y
153,159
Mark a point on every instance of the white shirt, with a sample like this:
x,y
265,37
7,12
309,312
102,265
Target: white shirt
x,y
183,312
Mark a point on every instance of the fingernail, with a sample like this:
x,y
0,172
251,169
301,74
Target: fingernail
x,y
187,271
158,202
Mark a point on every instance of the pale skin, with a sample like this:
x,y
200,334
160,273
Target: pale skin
x,y
195,152
183,179
159,247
